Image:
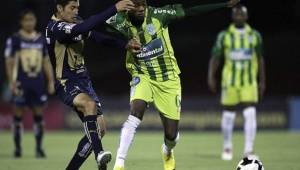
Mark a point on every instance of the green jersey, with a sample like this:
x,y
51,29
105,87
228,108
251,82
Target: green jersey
x,y
156,58
240,49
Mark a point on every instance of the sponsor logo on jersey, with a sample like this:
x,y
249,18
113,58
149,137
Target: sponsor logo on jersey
x,y
31,45
152,49
67,27
165,11
241,54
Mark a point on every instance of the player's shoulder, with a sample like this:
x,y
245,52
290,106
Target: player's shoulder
x,y
13,38
119,17
118,21
170,9
256,32
222,33
55,24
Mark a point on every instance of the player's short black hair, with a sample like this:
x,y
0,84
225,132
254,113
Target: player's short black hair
x,y
240,7
63,3
140,2
24,12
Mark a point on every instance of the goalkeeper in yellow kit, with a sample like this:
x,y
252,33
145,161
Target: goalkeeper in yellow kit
x,y
154,70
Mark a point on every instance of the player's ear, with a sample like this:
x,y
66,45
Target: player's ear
x,y
59,8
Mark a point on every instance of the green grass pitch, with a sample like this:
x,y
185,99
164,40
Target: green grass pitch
x,y
195,151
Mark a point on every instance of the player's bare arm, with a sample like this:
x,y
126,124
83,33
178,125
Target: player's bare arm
x,y
48,71
214,64
262,76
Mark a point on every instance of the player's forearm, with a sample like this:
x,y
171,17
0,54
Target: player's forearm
x,y
108,40
191,11
213,67
9,69
48,71
262,72
90,23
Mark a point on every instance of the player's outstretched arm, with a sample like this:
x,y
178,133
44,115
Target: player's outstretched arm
x,y
106,39
91,22
67,30
195,10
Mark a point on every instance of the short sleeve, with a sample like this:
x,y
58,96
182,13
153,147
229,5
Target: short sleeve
x,y
259,45
218,48
11,47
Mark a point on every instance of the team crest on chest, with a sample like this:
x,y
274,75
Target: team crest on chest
x,y
151,29
250,38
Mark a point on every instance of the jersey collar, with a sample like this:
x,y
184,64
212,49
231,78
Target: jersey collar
x,y
234,30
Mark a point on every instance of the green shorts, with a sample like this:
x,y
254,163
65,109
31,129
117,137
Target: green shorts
x,y
232,96
165,95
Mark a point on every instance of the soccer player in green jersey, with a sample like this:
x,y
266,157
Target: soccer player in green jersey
x,y
154,70
241,47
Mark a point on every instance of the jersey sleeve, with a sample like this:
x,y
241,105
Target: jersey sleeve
x,y
169,13
259,45
11,47
63,31
107,39
218,48
67,31
117,24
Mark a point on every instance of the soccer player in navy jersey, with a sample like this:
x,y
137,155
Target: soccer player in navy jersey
x,y
66,35
29,73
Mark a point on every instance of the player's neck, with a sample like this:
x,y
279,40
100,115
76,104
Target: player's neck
x,y
239,26
28,33
58,16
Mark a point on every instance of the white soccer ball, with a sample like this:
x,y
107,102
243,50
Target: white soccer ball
x,y
250,163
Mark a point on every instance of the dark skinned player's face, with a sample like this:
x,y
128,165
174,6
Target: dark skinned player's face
x,y
28,22
239,17
139,11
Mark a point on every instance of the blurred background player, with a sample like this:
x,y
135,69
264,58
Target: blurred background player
x,y
30,76
241,47
66,35
154,71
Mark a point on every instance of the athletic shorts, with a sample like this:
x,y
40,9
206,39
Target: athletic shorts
x,y
72,88
165,95
30,95
232,96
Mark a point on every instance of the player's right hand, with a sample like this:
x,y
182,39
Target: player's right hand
x,y
212,84
51,89
125,5
134,46
14,88
232,3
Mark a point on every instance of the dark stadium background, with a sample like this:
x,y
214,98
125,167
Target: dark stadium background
x,y
192,38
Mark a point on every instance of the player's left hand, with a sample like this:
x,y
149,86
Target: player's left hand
x,y
134,46
51,89
232,3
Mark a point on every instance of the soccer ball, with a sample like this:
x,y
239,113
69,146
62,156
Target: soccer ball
x,y
250,163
